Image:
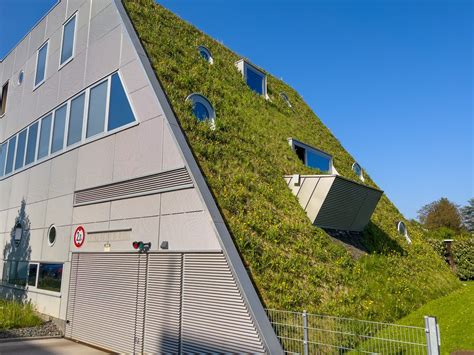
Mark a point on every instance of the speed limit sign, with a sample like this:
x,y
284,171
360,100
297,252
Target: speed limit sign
x,y
79,236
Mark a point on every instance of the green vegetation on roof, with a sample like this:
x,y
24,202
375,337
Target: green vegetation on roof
x,y
294,265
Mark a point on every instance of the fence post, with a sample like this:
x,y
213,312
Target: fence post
x,y
305,332
433,339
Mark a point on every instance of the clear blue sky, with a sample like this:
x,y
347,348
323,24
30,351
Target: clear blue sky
x,y
392,79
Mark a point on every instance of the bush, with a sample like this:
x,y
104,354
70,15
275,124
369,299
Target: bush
x,y
463,251
15,314
463,255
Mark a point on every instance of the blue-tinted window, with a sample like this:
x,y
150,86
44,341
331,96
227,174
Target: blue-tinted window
x,y
41,64
67,49
31,145
76,117
45,134
3,157
97,104
255,81
357,169
204,54
120,112
317,161
11,155
58,128
200,111
20,150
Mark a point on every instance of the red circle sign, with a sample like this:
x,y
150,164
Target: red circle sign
x,y
79,236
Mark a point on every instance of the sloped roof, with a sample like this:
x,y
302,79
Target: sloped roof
x,y
294,265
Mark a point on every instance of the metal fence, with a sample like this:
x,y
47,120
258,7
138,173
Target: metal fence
x,y
306,333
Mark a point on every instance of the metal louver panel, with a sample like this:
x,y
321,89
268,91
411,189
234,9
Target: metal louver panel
x,y
215,318
163,304
157,183
106,302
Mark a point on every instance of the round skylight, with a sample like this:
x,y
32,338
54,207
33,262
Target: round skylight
x,y
286,99
202,108
206,54
402,229
356,168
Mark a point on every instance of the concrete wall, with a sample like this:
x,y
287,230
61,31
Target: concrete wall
x,y
102,47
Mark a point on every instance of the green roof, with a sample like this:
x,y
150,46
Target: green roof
x,y
294,265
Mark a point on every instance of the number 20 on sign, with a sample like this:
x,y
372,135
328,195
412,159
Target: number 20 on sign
x,y
79,236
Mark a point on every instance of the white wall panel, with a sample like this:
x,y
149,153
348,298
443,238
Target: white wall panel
x,y
143,206
59,211
188,231
145,103
99,212
138,150
95,163
103,56
38,184
62,178
172,202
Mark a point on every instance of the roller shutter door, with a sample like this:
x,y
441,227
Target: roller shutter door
x,y
106,300
163,304
215,318
159,303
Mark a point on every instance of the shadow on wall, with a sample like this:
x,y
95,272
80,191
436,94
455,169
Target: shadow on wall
x,y
16,255
377,241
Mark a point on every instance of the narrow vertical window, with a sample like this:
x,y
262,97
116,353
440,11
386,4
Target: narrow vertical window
x,y
45,134
76,117
41,64
3,157
97,104
58,129
20,150
10,155
3,98
31,144
67,47
120,111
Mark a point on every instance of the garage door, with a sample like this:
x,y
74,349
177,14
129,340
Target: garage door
x,y
158,303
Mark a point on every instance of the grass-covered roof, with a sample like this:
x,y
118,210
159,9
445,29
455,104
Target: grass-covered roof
x,y
294,264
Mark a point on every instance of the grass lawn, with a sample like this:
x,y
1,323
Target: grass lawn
x,y
17,315
455,313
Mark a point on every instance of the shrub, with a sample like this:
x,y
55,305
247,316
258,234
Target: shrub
x,y
463,251
15,314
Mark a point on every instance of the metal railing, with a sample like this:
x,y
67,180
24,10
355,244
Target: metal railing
x,y
306,333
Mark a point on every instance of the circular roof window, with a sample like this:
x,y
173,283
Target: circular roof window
x,y
402,229
356,168
202,108
286,99
20,77
51,235
206,54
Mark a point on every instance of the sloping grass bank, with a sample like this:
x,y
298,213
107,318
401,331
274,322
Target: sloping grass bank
x,y
294,265
455,314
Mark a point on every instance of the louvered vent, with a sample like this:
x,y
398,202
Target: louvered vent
x,y
157,183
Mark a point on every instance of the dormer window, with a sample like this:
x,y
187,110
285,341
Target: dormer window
x,y
255,79
312,157
205,54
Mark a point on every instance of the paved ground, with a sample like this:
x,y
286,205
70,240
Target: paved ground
x,y
46,347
